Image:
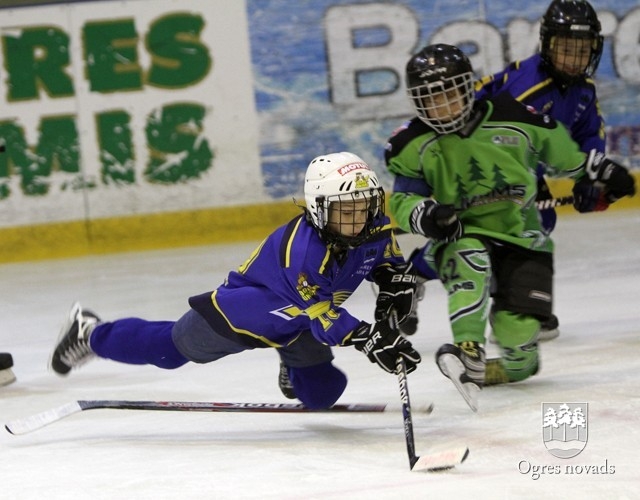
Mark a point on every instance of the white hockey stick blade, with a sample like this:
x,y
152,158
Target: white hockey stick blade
x,y
441,460
452,367
40,420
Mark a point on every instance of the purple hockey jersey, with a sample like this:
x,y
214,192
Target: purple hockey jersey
x,y
293,283
576,107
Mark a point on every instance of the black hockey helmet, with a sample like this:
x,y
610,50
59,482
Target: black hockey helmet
x,y
575,19
438,77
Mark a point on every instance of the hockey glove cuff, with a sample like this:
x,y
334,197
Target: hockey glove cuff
x,y
397,285
616,179
382,344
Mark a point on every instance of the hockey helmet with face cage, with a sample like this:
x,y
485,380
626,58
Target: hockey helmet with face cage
x,y
342,177
439,81
573,19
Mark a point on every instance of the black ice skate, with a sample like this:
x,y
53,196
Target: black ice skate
x,y
284,382
549,329
72,349
6,374
464,365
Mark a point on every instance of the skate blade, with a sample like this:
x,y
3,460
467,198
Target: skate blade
x,y
452,367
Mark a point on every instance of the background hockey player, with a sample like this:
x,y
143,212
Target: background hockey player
x,y
556,81
287,295
465,177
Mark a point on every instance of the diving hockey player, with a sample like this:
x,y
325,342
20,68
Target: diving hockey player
x,y
287,295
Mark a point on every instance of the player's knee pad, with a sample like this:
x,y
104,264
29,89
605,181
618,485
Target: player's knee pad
x,y
517,337
524,283
319,386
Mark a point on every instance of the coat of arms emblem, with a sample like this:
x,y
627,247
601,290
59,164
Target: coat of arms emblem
x,y
564,428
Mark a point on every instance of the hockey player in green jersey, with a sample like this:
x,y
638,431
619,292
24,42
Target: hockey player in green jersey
x,y
465,177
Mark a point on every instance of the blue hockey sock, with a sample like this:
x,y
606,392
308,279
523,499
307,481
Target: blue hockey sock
x,y
318,386
137,342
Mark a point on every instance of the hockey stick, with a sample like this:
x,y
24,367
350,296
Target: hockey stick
x,y
554,202
436,461
40,420
540,205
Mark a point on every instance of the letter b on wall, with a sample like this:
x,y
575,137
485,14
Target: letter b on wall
x,y
368,47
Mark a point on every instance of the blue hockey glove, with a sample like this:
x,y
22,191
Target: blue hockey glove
x,y
397,285
382,344
436,221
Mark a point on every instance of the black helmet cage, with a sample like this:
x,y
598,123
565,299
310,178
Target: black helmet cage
x,y
375,206
574,19
437,69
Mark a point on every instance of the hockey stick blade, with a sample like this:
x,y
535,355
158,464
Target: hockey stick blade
x,y
441,460
40,420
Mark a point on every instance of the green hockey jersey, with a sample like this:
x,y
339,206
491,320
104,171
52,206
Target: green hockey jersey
x,y
486,171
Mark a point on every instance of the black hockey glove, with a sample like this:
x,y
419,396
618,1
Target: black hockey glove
x,y
436,221
397,285
383,345
588,196
614,180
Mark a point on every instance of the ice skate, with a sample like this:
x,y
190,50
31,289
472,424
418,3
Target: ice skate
x,y
464,365
6,374
549,329
284,382
72,349
495,373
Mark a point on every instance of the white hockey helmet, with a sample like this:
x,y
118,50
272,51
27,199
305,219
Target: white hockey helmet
x,y
339,177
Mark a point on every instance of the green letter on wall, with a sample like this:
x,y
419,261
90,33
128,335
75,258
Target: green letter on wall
x,y
110,53
178,150
178,56
37,58
57,150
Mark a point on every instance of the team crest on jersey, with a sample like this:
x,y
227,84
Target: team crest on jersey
x,y
565,428
306,291
506,140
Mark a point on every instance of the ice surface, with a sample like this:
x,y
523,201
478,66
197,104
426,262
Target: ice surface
x,y
135,454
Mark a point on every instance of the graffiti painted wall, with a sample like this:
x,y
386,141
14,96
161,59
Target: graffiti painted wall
x,y
329,73
191,106
147,110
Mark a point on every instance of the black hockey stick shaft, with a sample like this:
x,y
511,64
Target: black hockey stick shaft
x,y
206,406
554,202
39,420
435,460
406,412
540,205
